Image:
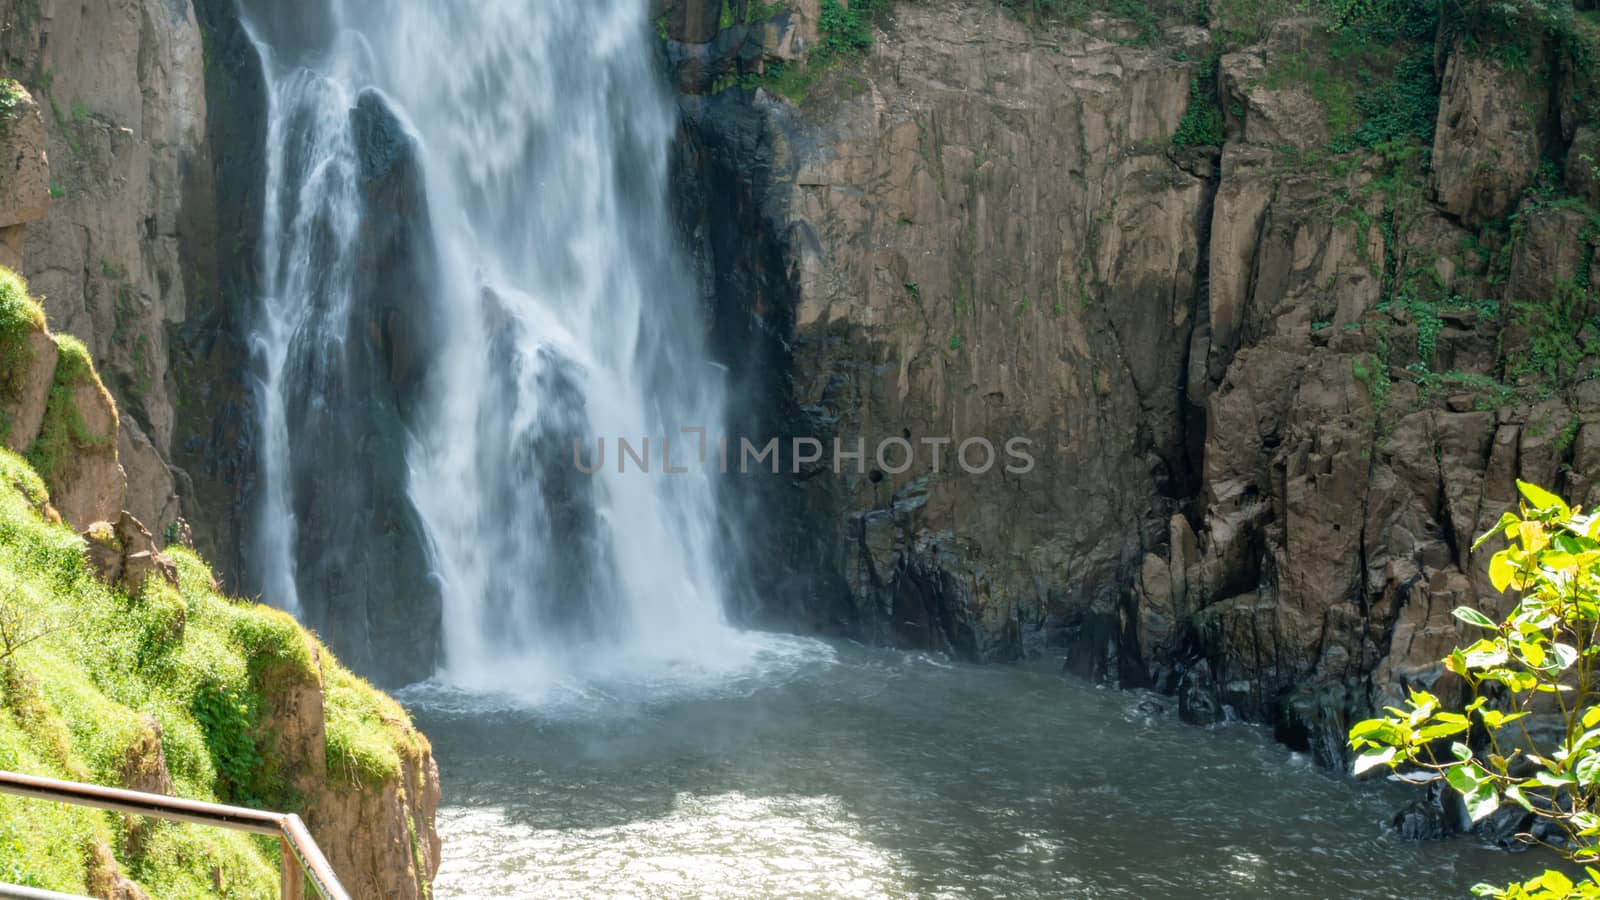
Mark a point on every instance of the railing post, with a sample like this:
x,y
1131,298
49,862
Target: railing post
x,y
294,879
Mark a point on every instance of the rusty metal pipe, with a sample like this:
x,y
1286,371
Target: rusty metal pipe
x,y
301,853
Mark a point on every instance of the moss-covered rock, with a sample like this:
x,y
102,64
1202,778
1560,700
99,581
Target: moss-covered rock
x,y
27,357
178,688
76,448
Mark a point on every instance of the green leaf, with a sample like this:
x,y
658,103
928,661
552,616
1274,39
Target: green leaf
x,y
1507,520
1378,731
1472,617
1494,718
1556,882
1587,770
1441,730
1501,571
1487,655
1541,499
1565,655
1462,778
1482,802
1516,796
1374,758
1551,779
1532,652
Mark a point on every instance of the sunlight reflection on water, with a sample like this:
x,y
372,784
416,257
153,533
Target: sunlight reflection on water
x,y
724,845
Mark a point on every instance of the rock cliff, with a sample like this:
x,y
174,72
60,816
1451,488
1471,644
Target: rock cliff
x,y
1284,309
134,214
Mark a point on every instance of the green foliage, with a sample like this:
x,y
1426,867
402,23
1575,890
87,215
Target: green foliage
x,y
846,34
757,11
955,342
369,735
10,103
1556,340
226,714
64,434
76,702
1425,314
1380,21
1372,370
1235,23
1201,124
1568,434
20,316
791,82
1534,668
846,31
1403,108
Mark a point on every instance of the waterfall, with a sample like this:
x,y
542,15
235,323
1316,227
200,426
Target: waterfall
x,y
469,265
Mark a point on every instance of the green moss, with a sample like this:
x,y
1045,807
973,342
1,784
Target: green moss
x,y
20,316
368,733
11,94
64,434
76,703
757,11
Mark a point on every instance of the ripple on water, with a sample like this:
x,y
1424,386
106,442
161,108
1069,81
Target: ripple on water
x,y
800,769
724,845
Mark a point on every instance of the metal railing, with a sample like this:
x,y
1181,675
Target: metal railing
x,y
303,862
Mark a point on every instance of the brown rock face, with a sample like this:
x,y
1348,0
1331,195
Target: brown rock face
x,y
380,838
971,268
1583,165
382,842
1487,146
24,401
89,485
59,415
24,171
1273,393
126,148
106,880
1268,113
125,554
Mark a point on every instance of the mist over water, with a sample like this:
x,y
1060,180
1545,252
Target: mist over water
x,y
562,311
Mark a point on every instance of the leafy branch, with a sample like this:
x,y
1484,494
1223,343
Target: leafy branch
x,y
17,632
1534,666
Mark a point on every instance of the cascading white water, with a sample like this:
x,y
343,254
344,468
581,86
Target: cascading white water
x,y
306,292
563,311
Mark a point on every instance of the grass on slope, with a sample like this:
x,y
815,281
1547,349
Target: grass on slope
x,y
84,668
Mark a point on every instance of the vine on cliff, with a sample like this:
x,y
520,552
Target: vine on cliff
x,y
1201,125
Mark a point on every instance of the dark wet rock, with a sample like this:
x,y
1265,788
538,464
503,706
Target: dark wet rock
x,y
362,566
1198,703
1437,815
1152,708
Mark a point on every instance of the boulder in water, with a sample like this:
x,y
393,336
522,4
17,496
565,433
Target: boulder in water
x,y
1198,703
1436,816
